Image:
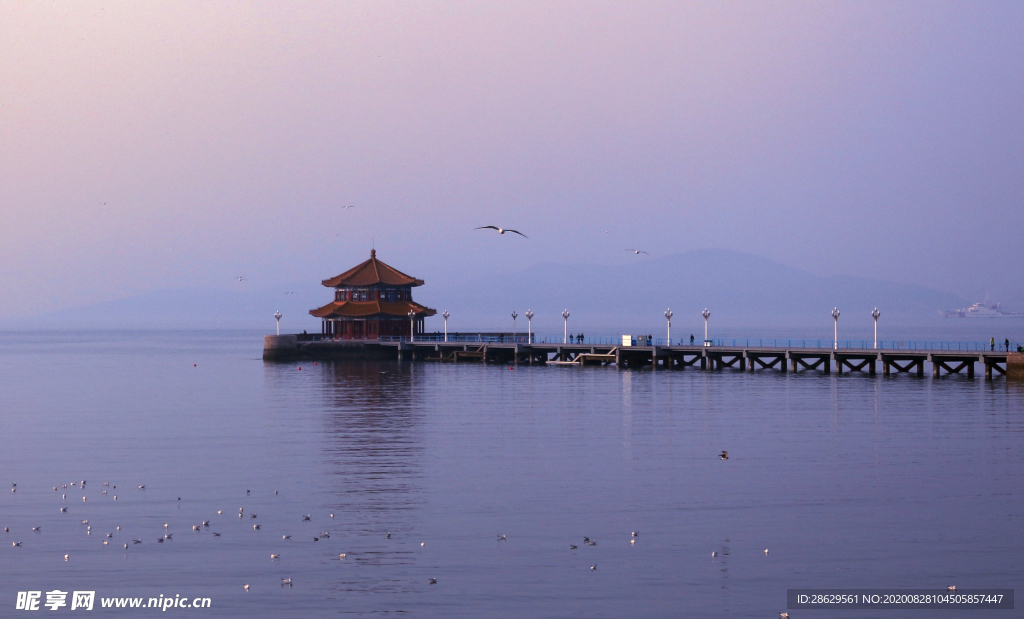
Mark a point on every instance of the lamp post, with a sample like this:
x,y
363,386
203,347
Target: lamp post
x,y
278,316
445,314
514,316
875,314
529,326
835,334
668,317
565,335
412,325
706,314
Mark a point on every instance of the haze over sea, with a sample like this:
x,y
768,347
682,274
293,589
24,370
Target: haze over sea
x,y
848,480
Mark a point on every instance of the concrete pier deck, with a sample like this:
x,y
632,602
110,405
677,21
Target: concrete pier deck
x,y
746,358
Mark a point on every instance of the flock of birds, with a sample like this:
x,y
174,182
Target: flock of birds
x,y
204,525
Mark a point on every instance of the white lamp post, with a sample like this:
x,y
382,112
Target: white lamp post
x,y
278,316
445,314
875,314
835,335
514,316
706,314
565,335
412,325
529,326
668,317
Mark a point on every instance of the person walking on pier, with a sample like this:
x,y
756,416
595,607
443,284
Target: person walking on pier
x,y
992,343
1007,345
691,339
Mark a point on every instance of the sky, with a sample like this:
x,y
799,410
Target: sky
x,y
146,146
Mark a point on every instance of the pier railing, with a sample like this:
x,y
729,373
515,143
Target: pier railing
x,y
847,344
773,343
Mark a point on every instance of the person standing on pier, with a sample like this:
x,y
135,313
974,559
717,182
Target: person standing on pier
x,y
691,339
1007,345
992,343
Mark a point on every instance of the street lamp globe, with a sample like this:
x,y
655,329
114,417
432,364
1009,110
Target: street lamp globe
x,y
278,315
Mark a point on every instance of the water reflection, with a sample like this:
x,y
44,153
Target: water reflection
x,y
372,431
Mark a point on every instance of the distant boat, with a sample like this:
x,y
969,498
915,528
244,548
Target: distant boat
x,y
984,309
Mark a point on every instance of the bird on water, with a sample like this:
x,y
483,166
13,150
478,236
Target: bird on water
x,y
502,230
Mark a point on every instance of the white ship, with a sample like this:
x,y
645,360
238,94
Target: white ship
x,y
984,309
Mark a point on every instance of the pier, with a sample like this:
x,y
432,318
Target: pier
x,y
519,350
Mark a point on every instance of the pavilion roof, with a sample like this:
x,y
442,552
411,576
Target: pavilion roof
x,y
372,272
361,309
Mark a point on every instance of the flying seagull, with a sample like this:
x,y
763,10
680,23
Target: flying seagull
x,y
638,251
502,230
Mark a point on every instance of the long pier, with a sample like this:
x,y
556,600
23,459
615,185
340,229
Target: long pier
x,y
709,358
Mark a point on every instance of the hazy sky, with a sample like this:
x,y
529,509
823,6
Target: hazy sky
x,y
147,145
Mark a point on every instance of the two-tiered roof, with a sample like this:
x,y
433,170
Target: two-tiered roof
x,y
372,300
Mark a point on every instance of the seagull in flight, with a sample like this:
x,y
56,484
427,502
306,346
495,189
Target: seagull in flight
x,y
347,207
638,251
241,278
502,230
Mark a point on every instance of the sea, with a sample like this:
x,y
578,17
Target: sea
x,y
190,469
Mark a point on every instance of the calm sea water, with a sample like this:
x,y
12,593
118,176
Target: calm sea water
x,y
848,481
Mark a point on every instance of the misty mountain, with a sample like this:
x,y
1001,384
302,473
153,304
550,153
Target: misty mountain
x,y
738,288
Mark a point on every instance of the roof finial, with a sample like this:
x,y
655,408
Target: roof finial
x,y
373,253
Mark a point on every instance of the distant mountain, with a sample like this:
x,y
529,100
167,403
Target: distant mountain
x,y
742,288
738,288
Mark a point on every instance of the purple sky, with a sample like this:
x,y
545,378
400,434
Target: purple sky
x,y
148,145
